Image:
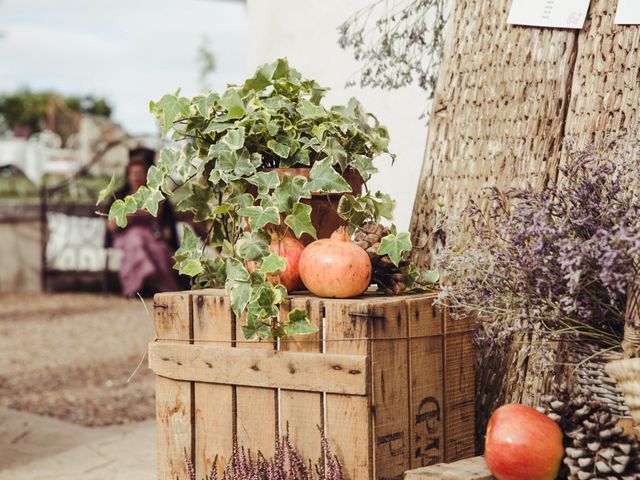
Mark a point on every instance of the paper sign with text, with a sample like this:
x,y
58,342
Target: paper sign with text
x,y
549,13
628,12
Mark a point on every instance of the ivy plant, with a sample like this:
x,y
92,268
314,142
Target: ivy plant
x,y
220,168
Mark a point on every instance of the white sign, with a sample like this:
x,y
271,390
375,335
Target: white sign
x,y
628,12
550,13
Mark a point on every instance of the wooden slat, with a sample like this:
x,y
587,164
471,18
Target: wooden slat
x,y
459,381
390,382
310,372
426,355
256,408
348,418
470,469
174,407
212,321
303,412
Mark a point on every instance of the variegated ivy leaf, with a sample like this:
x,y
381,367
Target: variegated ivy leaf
x,y
236,271
306,109
199,203
255,328
234,139
253,245
232,102
364,166
259,216
265,181
204,103
325,179
191,268
394,245
289,192
155,177
107,191
298,323
299,220
273,263
121,208
152,201
170,108
280,149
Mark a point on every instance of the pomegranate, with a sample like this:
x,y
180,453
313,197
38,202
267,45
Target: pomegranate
x,y
290,248
523,444
335,267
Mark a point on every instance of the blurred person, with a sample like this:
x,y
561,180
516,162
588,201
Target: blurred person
x,y
147,242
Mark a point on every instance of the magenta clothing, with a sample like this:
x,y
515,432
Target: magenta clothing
x,y
146,262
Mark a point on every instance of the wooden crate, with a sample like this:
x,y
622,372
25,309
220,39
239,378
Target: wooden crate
x,y
469,469
389,379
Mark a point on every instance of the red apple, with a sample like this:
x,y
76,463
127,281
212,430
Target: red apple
x,y
290,249
523,444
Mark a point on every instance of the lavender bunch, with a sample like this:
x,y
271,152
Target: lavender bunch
x,y
286,464
559,260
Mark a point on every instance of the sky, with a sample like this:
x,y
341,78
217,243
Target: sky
x,y
129,51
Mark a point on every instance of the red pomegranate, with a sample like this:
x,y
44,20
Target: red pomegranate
x,y
290,248
335,267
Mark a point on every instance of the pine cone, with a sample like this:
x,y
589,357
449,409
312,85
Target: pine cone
x,y
386,275
595,446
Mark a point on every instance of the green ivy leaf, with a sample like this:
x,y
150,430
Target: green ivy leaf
x,y
253,245
279,149
430,277
234,139
394,244
259,217
245,165
204,103
306,109
121,208
273,263
188,245
199,203
191,268
152,201
240,292
255,329
155,177
325,179
236,271
265,181
172,108
289,192
233,103
364,166
108,190
298,323
299,220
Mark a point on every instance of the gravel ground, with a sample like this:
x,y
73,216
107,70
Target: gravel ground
x,y
69,356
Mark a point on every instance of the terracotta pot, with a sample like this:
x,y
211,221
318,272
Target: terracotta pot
x,y
324,213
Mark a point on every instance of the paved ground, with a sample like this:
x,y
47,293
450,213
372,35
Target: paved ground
x,y
34,447
66,409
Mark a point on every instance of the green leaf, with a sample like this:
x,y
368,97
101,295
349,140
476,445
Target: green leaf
x,y
364,165
300,220
152,201
308,110
188,245
108,190
255,329
204,103
199,202
240,293
233,103
298,323
236,271
279,149
273,263
253,245
430,277
265,181
259,217
393,245
325,179
289,192
244,165
234,139
173,107
121,208
155,177
191,268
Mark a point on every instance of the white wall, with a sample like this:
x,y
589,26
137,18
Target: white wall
x,y
305,31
